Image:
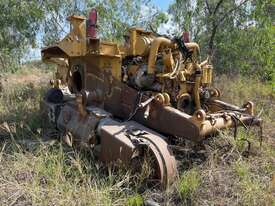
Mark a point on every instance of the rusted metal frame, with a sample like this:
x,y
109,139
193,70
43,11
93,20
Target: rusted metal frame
x,y
115,132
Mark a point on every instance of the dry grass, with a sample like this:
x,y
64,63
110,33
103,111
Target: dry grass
x,y
33,172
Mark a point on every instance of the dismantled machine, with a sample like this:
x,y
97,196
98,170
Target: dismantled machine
x,y
122,100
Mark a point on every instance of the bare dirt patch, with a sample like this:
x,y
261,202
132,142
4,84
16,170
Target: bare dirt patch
x,y
32,76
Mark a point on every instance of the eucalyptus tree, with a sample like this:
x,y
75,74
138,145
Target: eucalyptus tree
x,y
236,34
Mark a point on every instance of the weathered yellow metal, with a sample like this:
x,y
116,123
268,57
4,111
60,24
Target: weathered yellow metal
x,y
74,44
206,72
168,60
139,42
155,81
156,44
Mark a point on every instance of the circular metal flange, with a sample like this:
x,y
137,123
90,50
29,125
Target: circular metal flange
x,y
164,161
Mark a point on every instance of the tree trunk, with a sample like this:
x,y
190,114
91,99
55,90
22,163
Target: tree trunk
x,y
211,41
2,62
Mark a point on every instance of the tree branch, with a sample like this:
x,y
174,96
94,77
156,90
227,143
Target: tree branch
x,y
208,7
230,11
211,41
217,6
2,64
217,23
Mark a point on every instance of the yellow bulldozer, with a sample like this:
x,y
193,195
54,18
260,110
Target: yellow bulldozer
x,y
120,101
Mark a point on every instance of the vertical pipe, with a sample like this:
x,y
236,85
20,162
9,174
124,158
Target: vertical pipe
x,y
196,88
91,24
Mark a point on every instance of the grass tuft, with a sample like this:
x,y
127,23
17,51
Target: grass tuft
x,y
135,200
189,183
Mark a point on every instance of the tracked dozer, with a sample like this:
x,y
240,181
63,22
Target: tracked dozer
x,y
131,101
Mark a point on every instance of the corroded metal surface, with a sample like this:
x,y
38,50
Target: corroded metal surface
x,y
123,141
152,84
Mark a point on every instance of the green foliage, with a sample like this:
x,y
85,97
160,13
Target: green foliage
x,y
136,200
23,23
187,16
55,25
238,35
248,49
241,169
116,17
7,61
189,183
19,22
